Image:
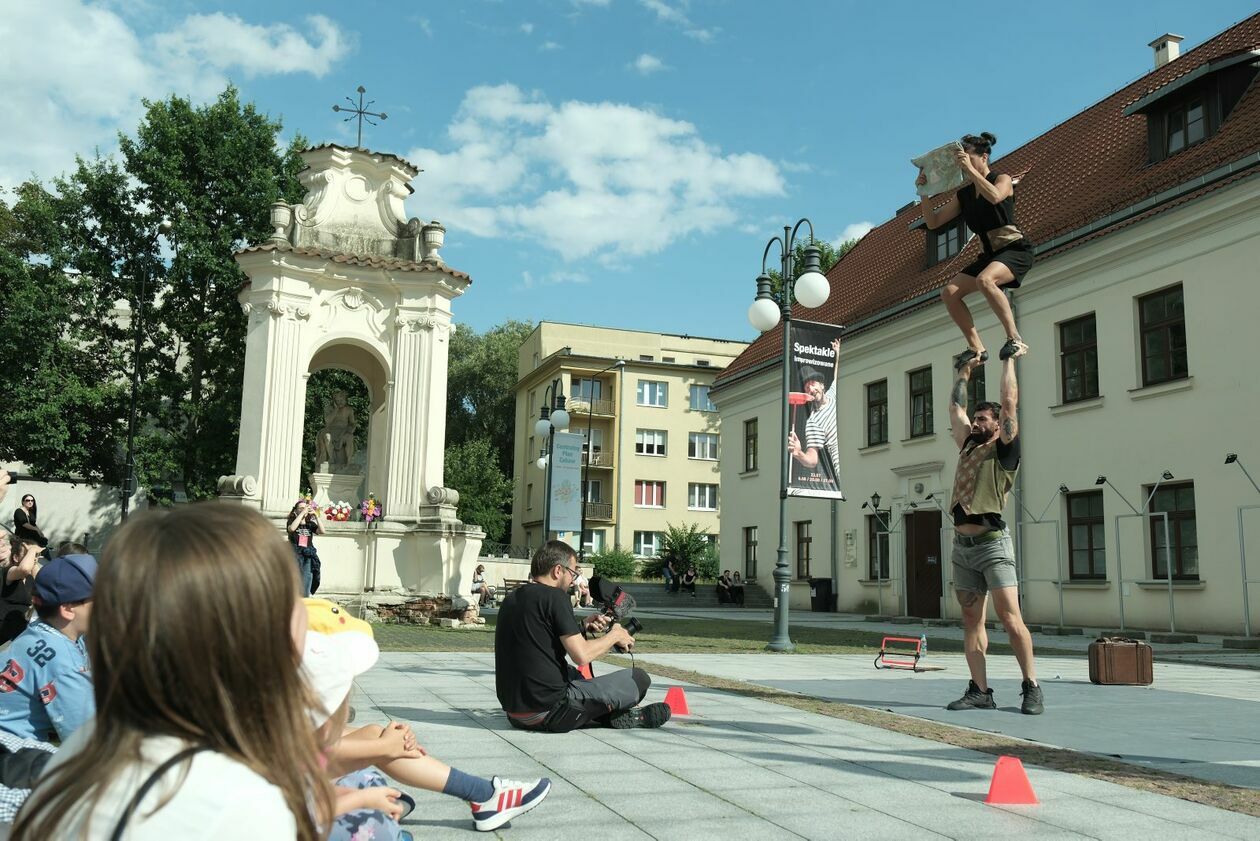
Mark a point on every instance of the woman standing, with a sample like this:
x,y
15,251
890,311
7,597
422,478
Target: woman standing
x,y
28,512
202,727
304,523
987,205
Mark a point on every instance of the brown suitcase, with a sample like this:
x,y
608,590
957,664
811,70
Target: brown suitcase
x,y
1120,661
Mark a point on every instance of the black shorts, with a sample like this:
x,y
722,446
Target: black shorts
x,y
1018,258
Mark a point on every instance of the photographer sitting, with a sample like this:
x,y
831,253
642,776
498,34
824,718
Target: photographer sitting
x,y
537,688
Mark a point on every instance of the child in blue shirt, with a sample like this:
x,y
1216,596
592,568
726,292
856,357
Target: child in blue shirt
x,y
46,681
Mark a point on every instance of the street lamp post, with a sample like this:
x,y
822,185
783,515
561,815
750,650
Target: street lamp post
x,y
770,308
551,419
586,468
137,328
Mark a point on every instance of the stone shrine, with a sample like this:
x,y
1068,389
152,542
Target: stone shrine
x,y
347,282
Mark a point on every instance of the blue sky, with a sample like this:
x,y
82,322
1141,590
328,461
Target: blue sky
x,y
610,162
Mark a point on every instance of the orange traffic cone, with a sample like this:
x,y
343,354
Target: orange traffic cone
x,y
1010,786
677,701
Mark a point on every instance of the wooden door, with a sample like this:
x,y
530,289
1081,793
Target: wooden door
x,y
923,564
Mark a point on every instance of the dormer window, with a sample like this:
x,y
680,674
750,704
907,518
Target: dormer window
x,y
1184,125
945,242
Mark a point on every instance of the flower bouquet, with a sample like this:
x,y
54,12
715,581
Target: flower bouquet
x,y
338,512
370,509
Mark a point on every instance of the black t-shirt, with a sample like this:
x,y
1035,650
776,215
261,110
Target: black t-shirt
x,y
530,672
982,215
303,537
16,595
1008,457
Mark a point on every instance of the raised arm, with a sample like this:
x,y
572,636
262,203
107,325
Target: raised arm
x,y
945,214
994,193
959,423
1008,421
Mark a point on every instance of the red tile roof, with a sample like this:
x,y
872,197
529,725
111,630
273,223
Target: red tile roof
x,y
371,261
1075,174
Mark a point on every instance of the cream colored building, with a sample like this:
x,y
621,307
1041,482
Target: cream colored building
x,y
654,442
1141,313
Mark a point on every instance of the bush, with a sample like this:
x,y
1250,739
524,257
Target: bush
x,y
615,563
687,546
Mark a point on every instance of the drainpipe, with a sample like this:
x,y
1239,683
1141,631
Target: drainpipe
x,y
835,552
617,457
1019,481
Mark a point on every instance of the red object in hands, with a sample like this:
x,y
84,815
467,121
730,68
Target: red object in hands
x,y
797,398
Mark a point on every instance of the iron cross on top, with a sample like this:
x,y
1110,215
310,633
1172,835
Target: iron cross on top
x,y
358,112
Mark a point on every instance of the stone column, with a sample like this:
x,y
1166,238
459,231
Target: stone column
x,y
407,399
273,399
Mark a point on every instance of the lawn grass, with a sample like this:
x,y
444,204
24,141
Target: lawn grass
x,y
676,636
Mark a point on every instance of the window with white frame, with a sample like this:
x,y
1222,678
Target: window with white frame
x,y
594,540
647,544
593,491
700,401
586,388
649,493
652,393
596,442
649,442
701,497
702,445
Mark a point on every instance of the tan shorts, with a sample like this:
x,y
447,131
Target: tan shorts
x,y
984,565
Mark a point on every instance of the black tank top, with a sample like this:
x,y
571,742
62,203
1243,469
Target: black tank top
x,y
983,216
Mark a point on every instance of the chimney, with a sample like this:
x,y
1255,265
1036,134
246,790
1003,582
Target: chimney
x,y
1166,48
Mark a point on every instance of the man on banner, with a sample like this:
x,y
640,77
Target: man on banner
x,y
822,443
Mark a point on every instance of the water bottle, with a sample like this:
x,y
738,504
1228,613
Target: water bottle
x,y
923,646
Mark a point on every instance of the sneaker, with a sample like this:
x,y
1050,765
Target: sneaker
x,y
652,715
974,699
969,354
510,798
1013,349
1032,699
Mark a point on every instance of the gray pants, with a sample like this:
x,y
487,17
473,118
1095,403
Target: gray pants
x,y
592,702
984,565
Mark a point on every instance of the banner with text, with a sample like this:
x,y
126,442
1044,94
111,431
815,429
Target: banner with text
x,y
813,440
566,482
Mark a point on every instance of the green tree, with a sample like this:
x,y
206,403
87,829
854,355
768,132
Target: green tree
x,y
481,387
485,494
686,545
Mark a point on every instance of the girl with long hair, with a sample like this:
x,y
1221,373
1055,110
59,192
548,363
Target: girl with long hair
x,y
202,725
27,512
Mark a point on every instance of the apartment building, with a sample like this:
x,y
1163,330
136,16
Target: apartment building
x,y
1141,315
653,436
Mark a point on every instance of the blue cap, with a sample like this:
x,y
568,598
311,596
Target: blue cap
x,y
66,579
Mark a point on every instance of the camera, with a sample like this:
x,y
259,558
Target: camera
x,y
616,603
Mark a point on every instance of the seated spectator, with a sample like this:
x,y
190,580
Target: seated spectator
x,y
724,587
670,576
583,589
46,684
481,588
17,582
689,581
338,649
27,512
202,729
737,590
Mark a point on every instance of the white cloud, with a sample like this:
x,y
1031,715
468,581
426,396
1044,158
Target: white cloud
x,y
548,46
666,13
583,178
647,64
856,230
426,26
527,28
77,72
528,281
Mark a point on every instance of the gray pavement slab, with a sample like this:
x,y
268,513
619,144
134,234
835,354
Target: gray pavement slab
x,y
740,767
1193,720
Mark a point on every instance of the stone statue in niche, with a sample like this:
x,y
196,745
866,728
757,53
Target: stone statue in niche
x,y
334,445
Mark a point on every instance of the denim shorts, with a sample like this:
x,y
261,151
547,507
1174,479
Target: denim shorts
x,y
985,566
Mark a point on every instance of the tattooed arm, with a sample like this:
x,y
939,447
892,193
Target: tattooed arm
x,y
1008,421
959,423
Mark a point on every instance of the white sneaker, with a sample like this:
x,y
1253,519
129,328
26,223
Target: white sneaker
x,y
511,798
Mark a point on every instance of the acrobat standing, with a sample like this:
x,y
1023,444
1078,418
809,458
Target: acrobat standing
x,y
987,205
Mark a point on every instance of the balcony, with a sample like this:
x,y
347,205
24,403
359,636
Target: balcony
x,y
599,511
581,406
600,458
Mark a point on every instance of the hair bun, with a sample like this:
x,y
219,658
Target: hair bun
x,y
990,137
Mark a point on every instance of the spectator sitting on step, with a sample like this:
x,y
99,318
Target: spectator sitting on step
x,y
737,590
480,588
724,587
27,512
46,686
583,589
670,575
689,581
